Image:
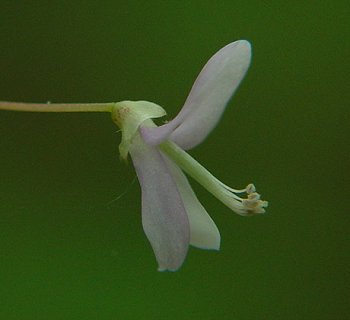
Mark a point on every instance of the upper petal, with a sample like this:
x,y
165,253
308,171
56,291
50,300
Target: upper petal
x,y
207,100
164,218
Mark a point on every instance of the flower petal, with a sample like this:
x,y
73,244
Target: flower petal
x,y
164,218
204,232
207,100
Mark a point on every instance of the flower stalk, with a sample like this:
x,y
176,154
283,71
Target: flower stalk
x,y
56,107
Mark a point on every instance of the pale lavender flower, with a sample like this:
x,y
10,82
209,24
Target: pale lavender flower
x,y
172,216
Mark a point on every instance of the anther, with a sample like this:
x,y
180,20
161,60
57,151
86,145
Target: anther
x,y
250,188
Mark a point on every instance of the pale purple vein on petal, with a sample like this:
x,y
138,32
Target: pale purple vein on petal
x,y
207,100
164,218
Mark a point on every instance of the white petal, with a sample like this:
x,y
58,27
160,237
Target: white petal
x,y
204,232
164,218
207,100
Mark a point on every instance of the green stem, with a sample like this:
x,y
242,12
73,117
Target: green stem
x,y
56,107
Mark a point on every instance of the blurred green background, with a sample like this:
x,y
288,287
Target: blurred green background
x,y
68,251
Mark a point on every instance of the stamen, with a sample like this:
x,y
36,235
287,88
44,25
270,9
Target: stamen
x,y
229,196
248,206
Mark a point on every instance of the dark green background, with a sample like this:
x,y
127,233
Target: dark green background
x,y
68,252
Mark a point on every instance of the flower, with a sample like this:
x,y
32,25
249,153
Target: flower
x,y
172,216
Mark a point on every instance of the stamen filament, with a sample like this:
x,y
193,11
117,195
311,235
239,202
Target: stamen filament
x,y
56,107
250,188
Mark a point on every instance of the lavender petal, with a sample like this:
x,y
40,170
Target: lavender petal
x,y
164,218
208,98
204,233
